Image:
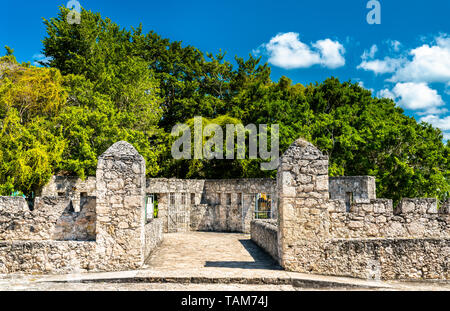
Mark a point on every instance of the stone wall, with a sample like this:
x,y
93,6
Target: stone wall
x,y
417,218
48,257
43,240
236,214
265,234
389,258
200,199
153,235
77,226
74,188
196,204
445,208
352,189
369,237
202,218
120,206
51,219
302,186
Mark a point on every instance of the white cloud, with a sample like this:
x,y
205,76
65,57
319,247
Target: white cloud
x,y
386,93
433,110
331,53
446,136
388,65
429,63
40,58
285,50
361,84
441,123
417,96
395,45
370,54
447,89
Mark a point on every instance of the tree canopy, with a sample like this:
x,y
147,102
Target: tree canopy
x,y
103,83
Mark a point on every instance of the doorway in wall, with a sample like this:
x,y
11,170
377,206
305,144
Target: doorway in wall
x,y
348,200
151,206
263,206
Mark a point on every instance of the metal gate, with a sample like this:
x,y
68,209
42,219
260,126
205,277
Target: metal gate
x,y
172,219
177,214
263,206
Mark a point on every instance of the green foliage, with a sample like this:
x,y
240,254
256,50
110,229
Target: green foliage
x,y
31,146
107,84
370,136
114,94
9,51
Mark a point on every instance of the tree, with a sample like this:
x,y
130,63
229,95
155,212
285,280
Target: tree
x,y
31,147
114,94
124,83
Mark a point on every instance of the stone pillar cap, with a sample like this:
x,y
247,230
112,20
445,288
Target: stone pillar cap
x,y
121,149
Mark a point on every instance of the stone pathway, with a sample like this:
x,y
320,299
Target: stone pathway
x,y
205,261
195,250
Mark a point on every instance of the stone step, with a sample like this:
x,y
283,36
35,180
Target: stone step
x,y
297,280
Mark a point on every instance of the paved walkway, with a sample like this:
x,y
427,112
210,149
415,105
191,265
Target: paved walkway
x,y
196,250
205,261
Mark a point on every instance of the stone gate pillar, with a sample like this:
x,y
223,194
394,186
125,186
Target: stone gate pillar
x,y
120,207
303,221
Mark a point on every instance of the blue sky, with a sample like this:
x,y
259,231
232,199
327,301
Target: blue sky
x,y
406,57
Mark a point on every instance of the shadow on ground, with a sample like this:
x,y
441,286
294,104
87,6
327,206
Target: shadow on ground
x,y
262,260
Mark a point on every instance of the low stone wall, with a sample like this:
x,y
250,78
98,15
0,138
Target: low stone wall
x,y
445,208
51,219
42,240
225,205
77,226
407,259
71,187
417,218
366,237
153,235
48,257
202,218
361,188
236,215
265,234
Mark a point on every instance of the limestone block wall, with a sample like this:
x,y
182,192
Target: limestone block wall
x,y
176,216
236,214
153,235
74,188
358,189
417,218
51,219
302,186
391,258
196,205
369,240
77,226
111,225
202,218
265,234
120,207
48,256
445,208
